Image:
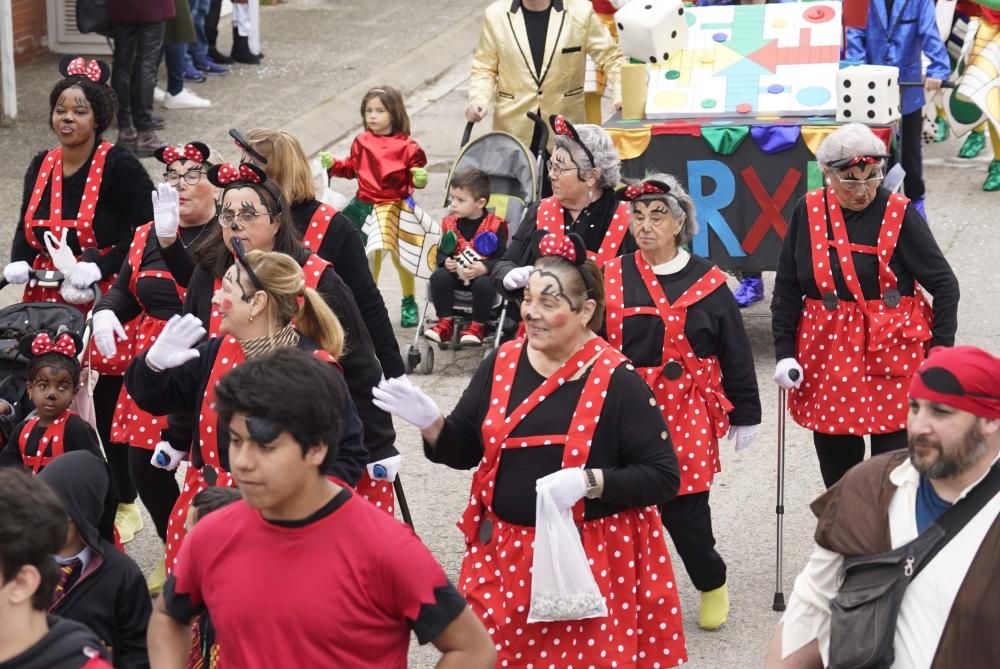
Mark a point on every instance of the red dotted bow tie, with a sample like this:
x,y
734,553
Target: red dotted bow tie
x,y
89,69
645,188
64,345
553,245
189,151
229,174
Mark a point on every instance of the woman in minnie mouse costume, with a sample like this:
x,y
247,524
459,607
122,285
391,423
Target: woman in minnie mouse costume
x,y
851,328
584,170
260,297
183,207
88,195
672,314
253,211
565,412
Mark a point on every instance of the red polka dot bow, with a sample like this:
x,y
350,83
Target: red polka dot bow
x,y
228,174
645,188
563,127
554,245
89,69
189,151
845,163
64,345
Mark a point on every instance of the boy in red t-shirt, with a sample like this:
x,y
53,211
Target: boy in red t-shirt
x,y
303,572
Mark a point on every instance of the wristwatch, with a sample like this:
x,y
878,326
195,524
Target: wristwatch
x,y
593,491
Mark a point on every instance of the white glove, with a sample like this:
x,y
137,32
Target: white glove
x,y
385,469
17,272
74,295
60,252
567,487
744,435
517,278
166,457
785,370
84,275
106,328
166,211
402,398
175,345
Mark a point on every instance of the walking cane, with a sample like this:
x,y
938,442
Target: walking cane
x,y
404,509
779,509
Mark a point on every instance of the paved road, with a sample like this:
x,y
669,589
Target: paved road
x,y
315,50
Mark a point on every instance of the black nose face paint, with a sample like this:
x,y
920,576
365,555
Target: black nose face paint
x,y
262,430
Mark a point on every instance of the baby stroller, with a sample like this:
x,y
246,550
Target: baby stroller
x,y
514,174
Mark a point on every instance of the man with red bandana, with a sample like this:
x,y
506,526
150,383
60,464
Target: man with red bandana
x,y
887,501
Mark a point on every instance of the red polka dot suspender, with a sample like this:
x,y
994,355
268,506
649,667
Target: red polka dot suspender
x,y
550,218
497,427
229,356
55,435
135,255
318,225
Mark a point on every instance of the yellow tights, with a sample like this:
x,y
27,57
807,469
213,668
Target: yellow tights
x,y
406,280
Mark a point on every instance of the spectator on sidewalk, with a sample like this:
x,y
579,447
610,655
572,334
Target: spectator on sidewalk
x,y
180,32
212,33
198,49
137,35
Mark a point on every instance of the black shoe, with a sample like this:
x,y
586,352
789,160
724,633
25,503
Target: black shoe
x,y
241,50
220,58
158,123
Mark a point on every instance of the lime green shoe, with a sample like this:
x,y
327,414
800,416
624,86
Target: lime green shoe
x,y
974,144
942,129
992,182
128,520
714,608
409,314
157,579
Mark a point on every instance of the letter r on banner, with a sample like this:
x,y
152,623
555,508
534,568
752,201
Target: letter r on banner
x,y
710,206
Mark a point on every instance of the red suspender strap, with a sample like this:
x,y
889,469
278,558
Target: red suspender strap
x,y
52,158
313,270
550,216
888,237
55,434
819,242
614,295
326,356
135,253
614,237
229,356
318,226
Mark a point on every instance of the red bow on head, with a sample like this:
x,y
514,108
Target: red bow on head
x,y
229,174
561,126
64,345
645,188
189,151
553,245
90,69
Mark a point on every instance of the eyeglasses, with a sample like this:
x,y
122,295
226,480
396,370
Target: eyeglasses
x,y
857,185
245,218
557,170
191,177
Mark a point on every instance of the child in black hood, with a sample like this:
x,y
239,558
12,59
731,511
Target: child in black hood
x,y
104,589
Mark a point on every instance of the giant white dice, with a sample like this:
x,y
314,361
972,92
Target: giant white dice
x,y
651,30
868,94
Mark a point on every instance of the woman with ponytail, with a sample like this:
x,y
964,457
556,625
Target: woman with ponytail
x,y
264,304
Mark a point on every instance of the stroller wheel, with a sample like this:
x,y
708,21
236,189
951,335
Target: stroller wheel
x,y
412,358
426,364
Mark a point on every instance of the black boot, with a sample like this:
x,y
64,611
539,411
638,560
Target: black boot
x,y
218,57
241,50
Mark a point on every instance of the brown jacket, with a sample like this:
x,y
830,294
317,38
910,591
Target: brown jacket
x,y
853,519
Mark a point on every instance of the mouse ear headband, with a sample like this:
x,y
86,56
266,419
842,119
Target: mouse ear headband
x,y
65,343
854,161
76,66
196,151
637,190
561,126
568,247
226,174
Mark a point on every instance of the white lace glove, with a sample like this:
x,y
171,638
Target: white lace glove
x,y
166,457
788,373
166,211
74,295
17,272
744,435
402,398
84,275
567,486
517,278
385,469
175,345
107,328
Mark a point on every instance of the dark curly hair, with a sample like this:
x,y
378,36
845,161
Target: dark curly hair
x,y
100,96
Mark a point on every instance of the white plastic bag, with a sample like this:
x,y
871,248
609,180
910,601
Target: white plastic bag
x,y
562,585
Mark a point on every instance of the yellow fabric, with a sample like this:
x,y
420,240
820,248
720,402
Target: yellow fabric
x,y
511,90
813,135
630,142
995,140
986,35
406,281
714,608
635,88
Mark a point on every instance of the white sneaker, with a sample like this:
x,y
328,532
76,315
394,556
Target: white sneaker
x,y
185,100
159,94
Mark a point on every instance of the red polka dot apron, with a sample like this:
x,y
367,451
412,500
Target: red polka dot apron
x,y
318,225
211,473
131,425
50,446
687,388
626,550
550,218
857,357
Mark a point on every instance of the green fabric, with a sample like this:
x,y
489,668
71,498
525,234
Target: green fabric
x,y
356,212
409,314
814,175
940,129
449,240
973,145
180,29
992,182
725,141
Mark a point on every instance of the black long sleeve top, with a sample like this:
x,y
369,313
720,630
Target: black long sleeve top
x,y
181,390
361,369
78,435
714,326
342,246
592,225
123,204
636,456
916,258
156,296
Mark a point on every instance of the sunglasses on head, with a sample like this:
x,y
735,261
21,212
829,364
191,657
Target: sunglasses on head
x,y
241,257
940,380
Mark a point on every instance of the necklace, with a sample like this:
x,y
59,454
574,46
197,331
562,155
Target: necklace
x,y
203,228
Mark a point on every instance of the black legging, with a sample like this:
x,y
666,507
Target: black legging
x,y
158,488
839,452
688,519
105,400
443,286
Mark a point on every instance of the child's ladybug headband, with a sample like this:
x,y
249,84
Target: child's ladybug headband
x,y
562,126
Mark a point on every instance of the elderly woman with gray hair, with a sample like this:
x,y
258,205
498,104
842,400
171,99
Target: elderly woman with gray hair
x,y
672,314
851,324
584,170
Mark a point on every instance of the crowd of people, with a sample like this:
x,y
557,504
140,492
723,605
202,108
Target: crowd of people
x,y
237,332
